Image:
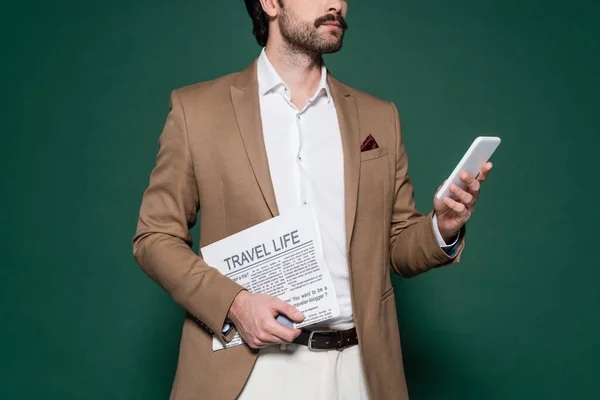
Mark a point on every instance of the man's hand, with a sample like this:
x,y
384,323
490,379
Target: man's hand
x,y
254,317
453,214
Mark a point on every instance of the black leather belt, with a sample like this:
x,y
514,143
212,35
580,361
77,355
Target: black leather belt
x,y
327,340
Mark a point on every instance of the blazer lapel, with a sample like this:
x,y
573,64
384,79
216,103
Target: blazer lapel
x,y
347,114
244,96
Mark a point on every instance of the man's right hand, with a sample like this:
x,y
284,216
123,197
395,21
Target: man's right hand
x,y
254,317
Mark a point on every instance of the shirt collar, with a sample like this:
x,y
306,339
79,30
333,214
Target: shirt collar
x,y
269,80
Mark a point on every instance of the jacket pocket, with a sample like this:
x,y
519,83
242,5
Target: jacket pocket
x,y
373,154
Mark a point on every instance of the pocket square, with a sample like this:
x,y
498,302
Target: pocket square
x,y
369,144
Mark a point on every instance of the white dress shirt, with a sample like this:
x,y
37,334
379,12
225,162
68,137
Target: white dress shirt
x,y
304,150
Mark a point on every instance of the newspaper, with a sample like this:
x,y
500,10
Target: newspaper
x,y
281,257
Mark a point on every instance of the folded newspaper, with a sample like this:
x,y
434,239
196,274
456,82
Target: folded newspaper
x,y
281,257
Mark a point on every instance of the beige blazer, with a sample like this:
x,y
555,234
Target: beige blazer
x,y
212,160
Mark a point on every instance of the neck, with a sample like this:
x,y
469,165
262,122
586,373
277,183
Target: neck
x,y
300,71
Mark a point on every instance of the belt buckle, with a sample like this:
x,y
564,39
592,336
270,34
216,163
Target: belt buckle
x,y
310,340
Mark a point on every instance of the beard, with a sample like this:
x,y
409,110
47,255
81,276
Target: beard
x,y
306,37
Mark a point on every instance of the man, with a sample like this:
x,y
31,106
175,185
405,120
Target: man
x,y
248,146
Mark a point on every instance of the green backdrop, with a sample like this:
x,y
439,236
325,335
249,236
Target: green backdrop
x,y
85,95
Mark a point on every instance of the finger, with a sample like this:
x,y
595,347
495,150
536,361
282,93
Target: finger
x,y
287,309
472,185
485,171
464,197
254,342
455,205
257,345
263,339
282,333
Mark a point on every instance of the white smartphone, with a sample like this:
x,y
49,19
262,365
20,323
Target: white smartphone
x,y
478,154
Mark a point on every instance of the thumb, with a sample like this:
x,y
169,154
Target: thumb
x,y
288,310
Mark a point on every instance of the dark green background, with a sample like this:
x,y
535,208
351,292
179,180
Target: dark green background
x,y
85,95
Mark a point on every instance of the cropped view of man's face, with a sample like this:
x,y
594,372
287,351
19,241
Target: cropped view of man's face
x,y
315,26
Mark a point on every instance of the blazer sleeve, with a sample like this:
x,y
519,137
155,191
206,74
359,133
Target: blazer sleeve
x,y
162,242
414,248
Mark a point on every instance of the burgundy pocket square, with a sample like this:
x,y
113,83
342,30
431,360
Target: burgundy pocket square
x,y
369,144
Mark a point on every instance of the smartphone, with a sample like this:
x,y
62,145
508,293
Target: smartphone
x,y
285,321
476,156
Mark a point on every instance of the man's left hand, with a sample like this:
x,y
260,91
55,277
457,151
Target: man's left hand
x,y
453,213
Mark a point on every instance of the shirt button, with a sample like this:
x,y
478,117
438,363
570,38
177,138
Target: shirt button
x,y
298,117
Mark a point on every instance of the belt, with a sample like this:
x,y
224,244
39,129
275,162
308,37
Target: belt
x,y
327,340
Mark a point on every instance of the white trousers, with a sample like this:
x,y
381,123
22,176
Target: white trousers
x,y
292,371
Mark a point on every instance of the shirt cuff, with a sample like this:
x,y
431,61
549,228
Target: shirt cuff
x,y
450,249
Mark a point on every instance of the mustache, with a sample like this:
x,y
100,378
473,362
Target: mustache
x,y
331,18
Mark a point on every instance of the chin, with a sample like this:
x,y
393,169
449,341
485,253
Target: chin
x,y
333,46
331,50
332,40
